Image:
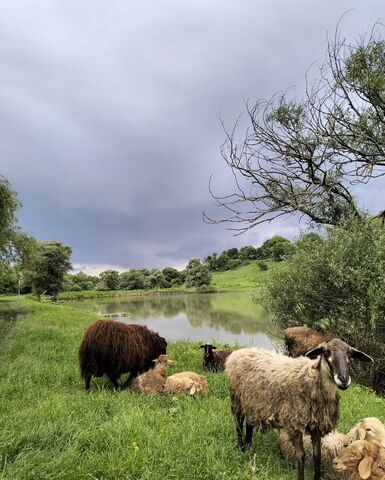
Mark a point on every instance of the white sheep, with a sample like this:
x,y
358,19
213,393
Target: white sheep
x,y
186,382
299,395
370,429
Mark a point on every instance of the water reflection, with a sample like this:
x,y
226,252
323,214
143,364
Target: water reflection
x,y
224,318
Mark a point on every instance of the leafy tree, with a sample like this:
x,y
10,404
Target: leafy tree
x,y
197,274
336,285
248,253
170,274
79,282
232,253
302,155
110,278
211,261
275,248
9,204
132,280
222,262
156,279
51,263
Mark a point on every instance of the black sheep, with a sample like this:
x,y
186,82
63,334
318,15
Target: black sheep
x,y
214,361
114,348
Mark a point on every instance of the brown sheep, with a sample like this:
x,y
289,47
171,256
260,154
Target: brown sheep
x,y
214,361
153,381
114,348
361,460
300,340
186,382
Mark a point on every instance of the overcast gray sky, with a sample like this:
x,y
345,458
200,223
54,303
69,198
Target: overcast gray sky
x,y
109,114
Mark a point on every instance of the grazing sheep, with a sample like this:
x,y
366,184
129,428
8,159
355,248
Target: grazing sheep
x,y
153,381
299,395
300,340
370,429
361,460
114,348
214,361
186,382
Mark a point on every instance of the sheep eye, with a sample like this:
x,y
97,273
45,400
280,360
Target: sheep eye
x,y
327,353
369,430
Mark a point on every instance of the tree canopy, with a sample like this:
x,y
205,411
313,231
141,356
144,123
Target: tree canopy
x,y
302,156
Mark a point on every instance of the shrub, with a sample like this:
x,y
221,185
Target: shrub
x,y
263,266
336,285
206,289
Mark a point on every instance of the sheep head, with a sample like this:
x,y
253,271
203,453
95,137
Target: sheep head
x,y
358,456
371,429
208,349
337,354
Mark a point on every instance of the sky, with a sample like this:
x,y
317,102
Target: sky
x,y
110,115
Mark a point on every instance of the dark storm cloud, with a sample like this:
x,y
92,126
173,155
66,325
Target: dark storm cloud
x,y
109,114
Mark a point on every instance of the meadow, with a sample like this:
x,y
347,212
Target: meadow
x,y
51,429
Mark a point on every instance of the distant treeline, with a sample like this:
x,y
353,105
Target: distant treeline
x,y
196,274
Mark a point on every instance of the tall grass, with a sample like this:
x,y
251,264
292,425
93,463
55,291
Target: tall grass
x,y
52,430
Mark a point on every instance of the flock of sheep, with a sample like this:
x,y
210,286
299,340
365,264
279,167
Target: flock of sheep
x,y
297,394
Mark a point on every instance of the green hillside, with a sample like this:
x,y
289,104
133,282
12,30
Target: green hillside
x,y
242,279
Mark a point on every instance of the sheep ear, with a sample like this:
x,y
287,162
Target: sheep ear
x,y
316,351
361,356
192,390
365,467
213,347
361,432
202,346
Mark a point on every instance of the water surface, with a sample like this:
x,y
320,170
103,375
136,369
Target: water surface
x,y
217,318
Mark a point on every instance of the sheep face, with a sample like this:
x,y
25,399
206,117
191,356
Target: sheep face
x,y
208,351
358,456
336,354
162,360
371,429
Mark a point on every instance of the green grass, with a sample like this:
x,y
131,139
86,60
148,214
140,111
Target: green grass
x,y
247,278
50,429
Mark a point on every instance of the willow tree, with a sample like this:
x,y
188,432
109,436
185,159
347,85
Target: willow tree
x,y
302,156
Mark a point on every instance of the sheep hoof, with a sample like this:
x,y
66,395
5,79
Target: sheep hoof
x,y
244,448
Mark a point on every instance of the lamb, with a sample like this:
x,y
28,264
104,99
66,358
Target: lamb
x,y
370,429
300,340
153,381
361,460
186,382
214,361
299,395
114,348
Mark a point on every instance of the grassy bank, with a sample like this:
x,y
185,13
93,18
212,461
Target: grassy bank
x,y
247,278
52,430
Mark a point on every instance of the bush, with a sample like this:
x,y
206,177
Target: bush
x,y
263,266
336,285
206,289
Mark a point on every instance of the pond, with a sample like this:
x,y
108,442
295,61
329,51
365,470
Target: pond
x,y
228,318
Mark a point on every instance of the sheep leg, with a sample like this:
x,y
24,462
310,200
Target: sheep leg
x,y
114,381
126,384
87,381
249,436
239,418
316,441
300,454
